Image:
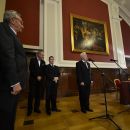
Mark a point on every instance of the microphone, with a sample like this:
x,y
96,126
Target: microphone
x,y
112,60
89,59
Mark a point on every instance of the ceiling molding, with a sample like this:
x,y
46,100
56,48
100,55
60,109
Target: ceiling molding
x,y
124,16
123,10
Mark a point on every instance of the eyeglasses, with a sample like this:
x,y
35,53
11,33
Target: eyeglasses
x,y
19,20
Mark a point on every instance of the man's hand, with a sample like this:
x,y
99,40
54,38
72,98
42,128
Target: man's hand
x,y
16,89
39,78
91,83
56,79
82,83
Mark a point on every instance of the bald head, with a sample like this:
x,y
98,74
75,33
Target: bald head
x,y
83,56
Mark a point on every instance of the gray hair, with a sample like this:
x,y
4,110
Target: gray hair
x,y
81,54
10,14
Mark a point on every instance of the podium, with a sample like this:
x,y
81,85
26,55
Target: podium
x,y
125,92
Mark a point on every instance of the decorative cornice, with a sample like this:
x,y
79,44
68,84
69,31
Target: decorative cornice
x,y
124,16
123,11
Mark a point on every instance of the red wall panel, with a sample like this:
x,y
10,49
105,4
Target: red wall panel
x,y
126,36
93,9
29,9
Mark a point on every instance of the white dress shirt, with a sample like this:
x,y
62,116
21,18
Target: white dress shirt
x,y
85,63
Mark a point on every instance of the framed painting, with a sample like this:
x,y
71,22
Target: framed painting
x,y
88,35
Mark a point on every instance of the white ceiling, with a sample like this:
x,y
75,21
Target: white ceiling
x,y
124,9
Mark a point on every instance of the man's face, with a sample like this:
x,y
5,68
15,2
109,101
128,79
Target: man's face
x,y
17,24
84,56
41,55
51,60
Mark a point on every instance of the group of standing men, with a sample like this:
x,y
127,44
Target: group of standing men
x,y
13,73
39,72
42,77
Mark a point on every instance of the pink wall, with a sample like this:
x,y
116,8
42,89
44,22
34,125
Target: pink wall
x,y
29,9
126,36
93,9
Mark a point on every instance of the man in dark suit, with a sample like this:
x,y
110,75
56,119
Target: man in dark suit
x,y
36,82
13,68
52,77
84,81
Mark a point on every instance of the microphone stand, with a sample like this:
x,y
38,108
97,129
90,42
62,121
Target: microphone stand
x,y
106,116
127,78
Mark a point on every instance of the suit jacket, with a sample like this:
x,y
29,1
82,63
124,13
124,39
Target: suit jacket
x,y
13,63
83,72
36,70
13,68
51,72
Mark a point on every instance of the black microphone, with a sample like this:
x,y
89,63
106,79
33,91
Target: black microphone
x,y
89,59
112,60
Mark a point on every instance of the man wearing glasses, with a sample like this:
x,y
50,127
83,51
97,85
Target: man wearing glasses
x,y
13,68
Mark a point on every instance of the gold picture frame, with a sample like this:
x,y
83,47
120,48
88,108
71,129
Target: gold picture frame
x,y
88,35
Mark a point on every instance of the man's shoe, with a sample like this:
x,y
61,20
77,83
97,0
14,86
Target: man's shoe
x,y
56,110
48,112
37,111
90,110
84,111
29,113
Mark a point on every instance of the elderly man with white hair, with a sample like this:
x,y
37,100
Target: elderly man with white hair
x,y
83,72
13,68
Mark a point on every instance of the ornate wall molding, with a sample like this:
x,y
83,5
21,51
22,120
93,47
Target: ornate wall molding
x,y
53,34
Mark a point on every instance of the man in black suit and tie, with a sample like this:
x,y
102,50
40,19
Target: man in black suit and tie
x,y
36,81
13,68
52,77
83,72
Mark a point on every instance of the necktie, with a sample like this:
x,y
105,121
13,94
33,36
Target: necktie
x,y
86,64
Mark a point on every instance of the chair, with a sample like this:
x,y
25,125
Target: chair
x,y
117,83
